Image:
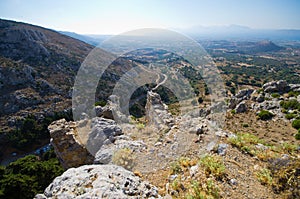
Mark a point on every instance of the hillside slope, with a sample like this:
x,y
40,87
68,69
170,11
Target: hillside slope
x,y
37,70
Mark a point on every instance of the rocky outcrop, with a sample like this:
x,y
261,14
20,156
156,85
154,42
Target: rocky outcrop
x,y
111,110
239,97
103,132
295,87
241,107
99,181
105,154
157,112
67,145
280,86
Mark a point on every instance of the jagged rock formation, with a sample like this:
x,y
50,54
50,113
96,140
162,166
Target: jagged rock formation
x,y
67,145
239,97
105,154
100,140
99,181
157,112
280,86
111,110
103,132
241,107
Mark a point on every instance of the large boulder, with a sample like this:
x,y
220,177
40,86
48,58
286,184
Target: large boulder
x,y
67,145
241,107
239,97
103,131
112,110
295,87
245,93
280,86
105,154
99,181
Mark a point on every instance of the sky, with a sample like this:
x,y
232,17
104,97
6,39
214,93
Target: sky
x,y
117,16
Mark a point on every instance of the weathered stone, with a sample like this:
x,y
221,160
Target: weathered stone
x,y
99,181
295,87
239,97
105,153
241,107
244,93
157,112
103,131
280,86
222,149
99,111
260,98
70,151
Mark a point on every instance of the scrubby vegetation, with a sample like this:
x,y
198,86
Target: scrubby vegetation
x,y
290,104
28,176
124,157
285,177
31,130
296,124
213,165
265,115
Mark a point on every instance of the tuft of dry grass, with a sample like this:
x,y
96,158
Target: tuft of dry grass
x,y
213,165
124,157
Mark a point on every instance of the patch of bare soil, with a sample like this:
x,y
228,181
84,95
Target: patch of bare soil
x,y
273,131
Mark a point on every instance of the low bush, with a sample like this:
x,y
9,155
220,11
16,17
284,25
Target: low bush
x,y
265,115
124,157
297,136
296,124
275,95
290,104
213,165
290,116
264,176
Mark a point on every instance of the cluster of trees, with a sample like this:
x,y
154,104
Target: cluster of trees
x,y
28,176
32,131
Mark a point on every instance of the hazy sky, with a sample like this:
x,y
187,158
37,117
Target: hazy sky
x,y
116,16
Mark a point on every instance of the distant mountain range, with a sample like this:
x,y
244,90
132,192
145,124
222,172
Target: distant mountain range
x,y
232,32
241,33
90,39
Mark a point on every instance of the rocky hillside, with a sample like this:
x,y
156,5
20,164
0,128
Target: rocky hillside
x,y
254,155
37,70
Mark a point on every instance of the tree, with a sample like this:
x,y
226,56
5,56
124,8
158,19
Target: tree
x,y
29,175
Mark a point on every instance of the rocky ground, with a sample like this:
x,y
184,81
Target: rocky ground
x,y
165,156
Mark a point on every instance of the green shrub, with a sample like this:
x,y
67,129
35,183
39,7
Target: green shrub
x,y
200,100
265,177
100,103
27,176
275,95
213,165
290,105
290,116
32,131
265,115
293,94
296,124
297,136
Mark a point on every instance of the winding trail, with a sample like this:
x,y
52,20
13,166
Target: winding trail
x,y
157,81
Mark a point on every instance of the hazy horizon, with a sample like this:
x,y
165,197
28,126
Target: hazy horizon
x,y
114,17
